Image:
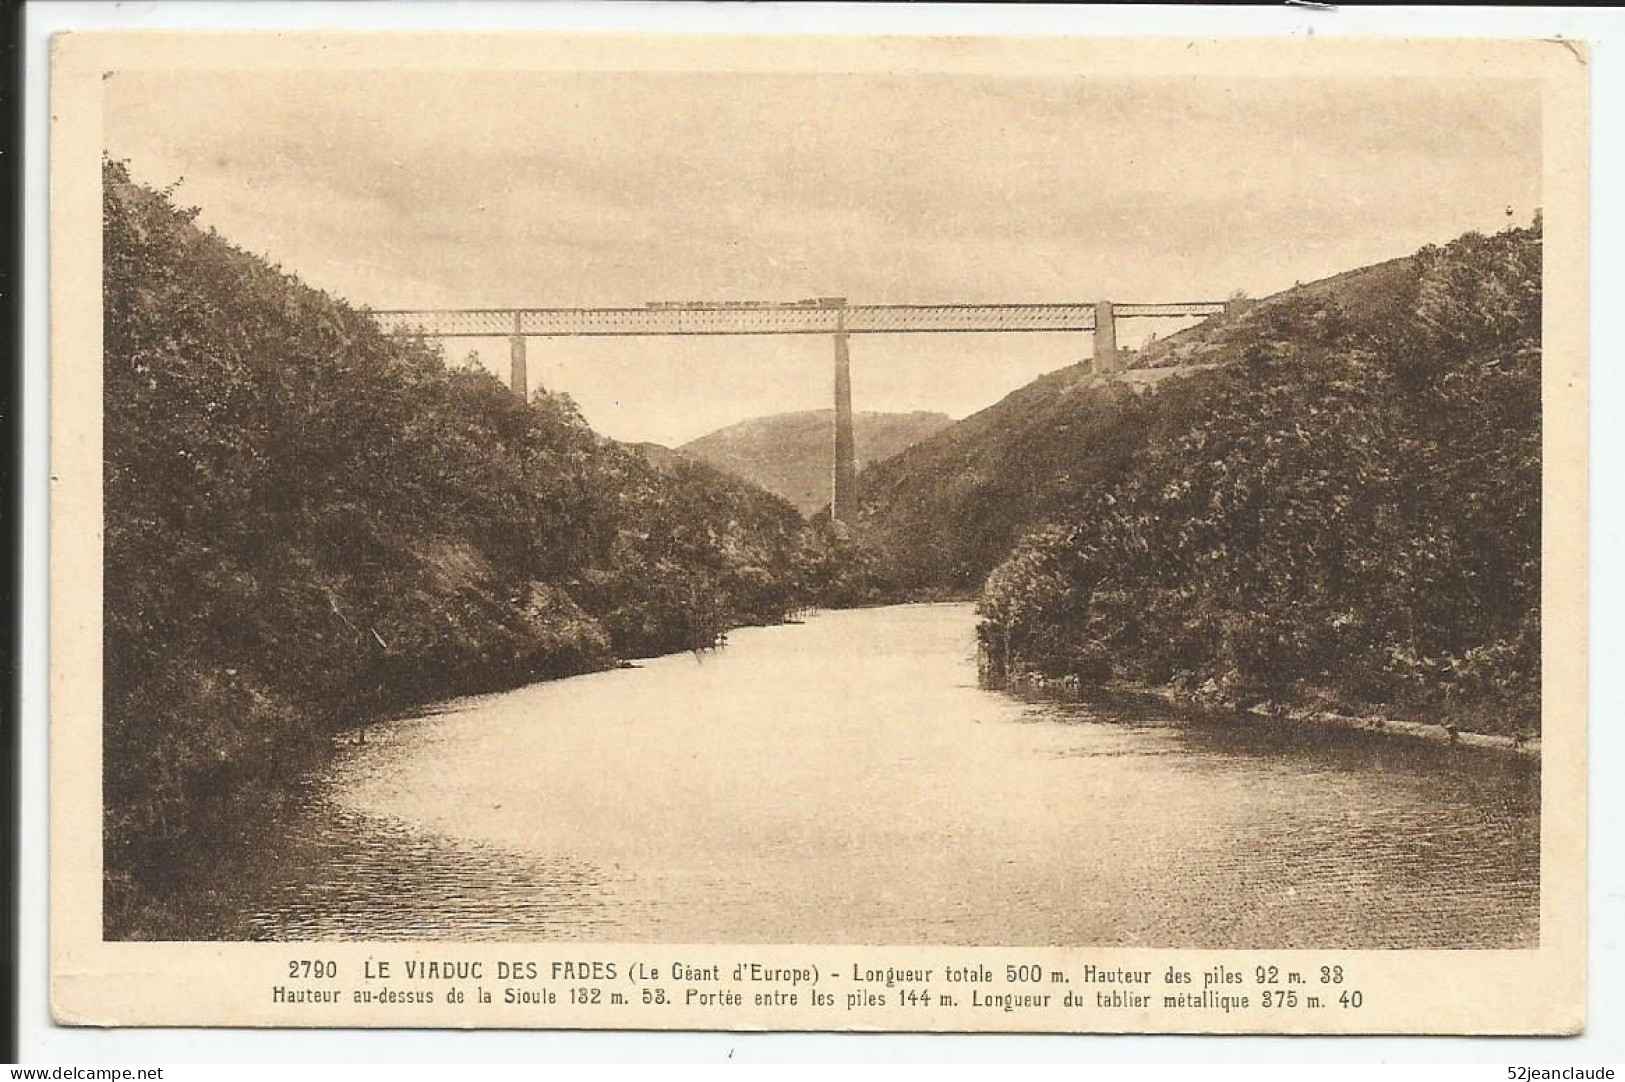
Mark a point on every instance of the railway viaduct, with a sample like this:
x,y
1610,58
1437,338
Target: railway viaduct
x,y
831,316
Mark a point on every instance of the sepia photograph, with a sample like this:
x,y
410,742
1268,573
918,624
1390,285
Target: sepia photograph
x,y
913,503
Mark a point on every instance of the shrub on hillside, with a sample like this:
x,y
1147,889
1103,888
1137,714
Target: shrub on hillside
x,y
308,522
1352,515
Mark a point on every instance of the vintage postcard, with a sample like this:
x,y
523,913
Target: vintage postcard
x,y
819,533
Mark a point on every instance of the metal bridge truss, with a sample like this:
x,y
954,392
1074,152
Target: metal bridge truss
x,y
826,315
749,319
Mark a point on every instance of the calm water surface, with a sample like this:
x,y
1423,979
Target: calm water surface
x,y
846,781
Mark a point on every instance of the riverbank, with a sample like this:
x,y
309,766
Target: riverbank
x,y
1032,683
170,896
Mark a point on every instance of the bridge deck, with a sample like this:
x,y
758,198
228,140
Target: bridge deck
x,y
701,319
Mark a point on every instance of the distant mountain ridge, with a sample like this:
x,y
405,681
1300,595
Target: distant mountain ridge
x,y
789,454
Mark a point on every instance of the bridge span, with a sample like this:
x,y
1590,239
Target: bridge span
x,y
822,315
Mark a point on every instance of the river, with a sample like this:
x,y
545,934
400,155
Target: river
x,y
845,780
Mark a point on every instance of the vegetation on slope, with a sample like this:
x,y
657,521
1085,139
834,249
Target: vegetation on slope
x,y
789,453
940,516
935,519
308,523
1346,513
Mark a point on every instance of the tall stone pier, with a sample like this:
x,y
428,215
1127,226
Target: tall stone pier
x,y
843,491
1105,337
518,378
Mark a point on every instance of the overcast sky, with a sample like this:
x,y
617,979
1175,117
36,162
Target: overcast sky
x,y
396,189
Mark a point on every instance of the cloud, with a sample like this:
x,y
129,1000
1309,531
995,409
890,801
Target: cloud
x,y
509,188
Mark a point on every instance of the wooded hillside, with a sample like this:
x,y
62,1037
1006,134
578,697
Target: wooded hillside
x,y
1345,513
789,453
308,524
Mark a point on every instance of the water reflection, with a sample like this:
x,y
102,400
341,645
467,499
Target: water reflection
x,y
361,877
846,781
